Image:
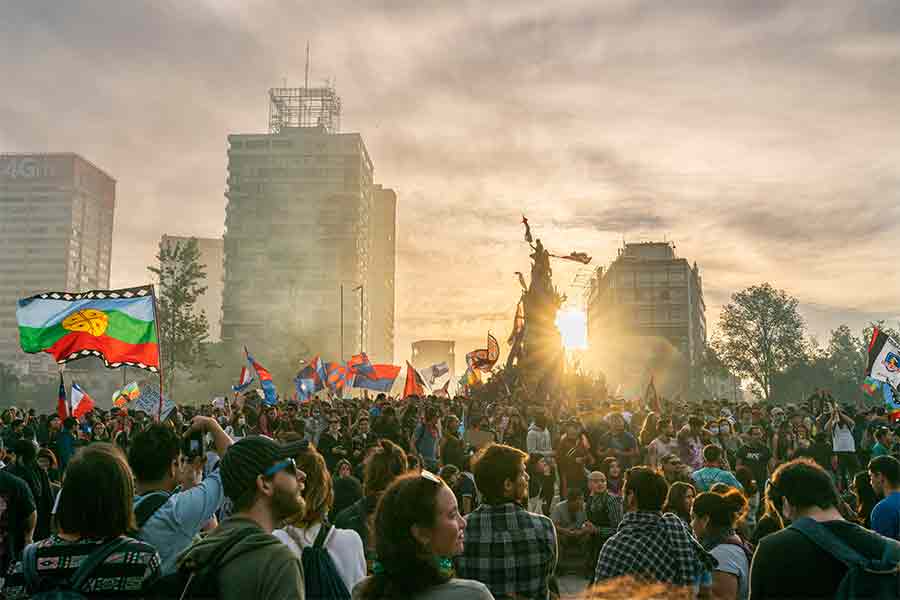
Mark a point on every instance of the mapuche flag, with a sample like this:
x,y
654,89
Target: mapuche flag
x,y
117,326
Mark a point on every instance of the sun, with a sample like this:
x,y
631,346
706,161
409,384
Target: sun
x,y
572,324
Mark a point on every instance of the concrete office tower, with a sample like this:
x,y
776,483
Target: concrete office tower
x,y
56,225
212,256
299,227
646,317
380,289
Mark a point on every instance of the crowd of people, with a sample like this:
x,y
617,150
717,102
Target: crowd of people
x,y
378,498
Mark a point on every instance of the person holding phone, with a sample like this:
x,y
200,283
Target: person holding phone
x,y
166,518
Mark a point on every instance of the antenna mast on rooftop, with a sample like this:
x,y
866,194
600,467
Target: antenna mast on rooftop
x,y
317,107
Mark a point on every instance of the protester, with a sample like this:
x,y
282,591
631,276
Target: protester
x,y
574,455
620,443
714,519
541,484
840,426
385,465
166,519
883,442
18,518
713,471
27,468
788,563
650,544
241,556
538,438
866,499
94,516
426,440
502,532
680,500
574,532
418,529
663,445
453,448
884,474
755,455
303,529
690,443
614,477
333,444
347,487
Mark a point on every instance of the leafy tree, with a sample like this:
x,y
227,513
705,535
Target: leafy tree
x,y
761,335
184,331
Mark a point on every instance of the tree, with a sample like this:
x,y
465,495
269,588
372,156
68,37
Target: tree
x,y
761,334
183,330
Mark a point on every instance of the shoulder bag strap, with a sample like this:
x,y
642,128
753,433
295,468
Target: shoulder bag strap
x,y
29,569
828,542
94,560
323,535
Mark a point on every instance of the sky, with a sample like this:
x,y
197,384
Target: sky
x,y
762,138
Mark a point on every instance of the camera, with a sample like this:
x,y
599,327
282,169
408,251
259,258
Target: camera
x,y
193,445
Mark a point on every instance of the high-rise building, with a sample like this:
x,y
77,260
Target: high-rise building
x,y
383,267
212,257
301,215
646,317
56,225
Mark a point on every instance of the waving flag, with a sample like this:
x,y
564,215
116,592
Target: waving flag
x,y
884,359
339,376
870,386
123,396
381,380
435,372
320,372
81,403
305,384
651,398
484,360
444,392
244,382
360,364
270,395
117,326
62,407
414,385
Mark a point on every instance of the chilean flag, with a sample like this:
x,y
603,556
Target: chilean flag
x,y
265,380
62,407
245,381
381,379
81,403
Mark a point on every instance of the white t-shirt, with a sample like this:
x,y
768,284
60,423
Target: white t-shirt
x,y
344,546
842,439
732,559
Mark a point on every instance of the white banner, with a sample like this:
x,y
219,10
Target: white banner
x,y
148,402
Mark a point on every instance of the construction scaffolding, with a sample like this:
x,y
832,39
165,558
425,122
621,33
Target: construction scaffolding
x,y
304,107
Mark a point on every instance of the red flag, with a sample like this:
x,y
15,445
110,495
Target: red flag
x,y
81,402
62,406
415,386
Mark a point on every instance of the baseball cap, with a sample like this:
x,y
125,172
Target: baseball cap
x,y
249,458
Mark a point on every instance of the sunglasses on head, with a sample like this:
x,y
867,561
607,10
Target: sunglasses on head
x,y
425,474
288,464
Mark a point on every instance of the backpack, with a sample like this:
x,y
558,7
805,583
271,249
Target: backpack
x,y
871,578
321,578
200,582
70,587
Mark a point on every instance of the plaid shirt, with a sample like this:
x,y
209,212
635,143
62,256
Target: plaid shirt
x,y
655,546
510,550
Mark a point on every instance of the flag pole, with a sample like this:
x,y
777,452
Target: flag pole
x,y
158,350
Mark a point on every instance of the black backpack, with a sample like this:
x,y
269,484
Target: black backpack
x,y
321,578
873,579
70,587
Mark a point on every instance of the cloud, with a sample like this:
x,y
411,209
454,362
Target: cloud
x,y
762,137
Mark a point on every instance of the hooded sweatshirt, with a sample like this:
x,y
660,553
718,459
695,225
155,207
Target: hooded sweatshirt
x,y
257,566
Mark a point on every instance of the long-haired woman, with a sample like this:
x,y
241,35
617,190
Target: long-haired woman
x,y
343,545
418,529
680,499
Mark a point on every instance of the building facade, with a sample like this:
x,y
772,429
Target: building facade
x,y
647,317
56,226
301,212
380,287
212,252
